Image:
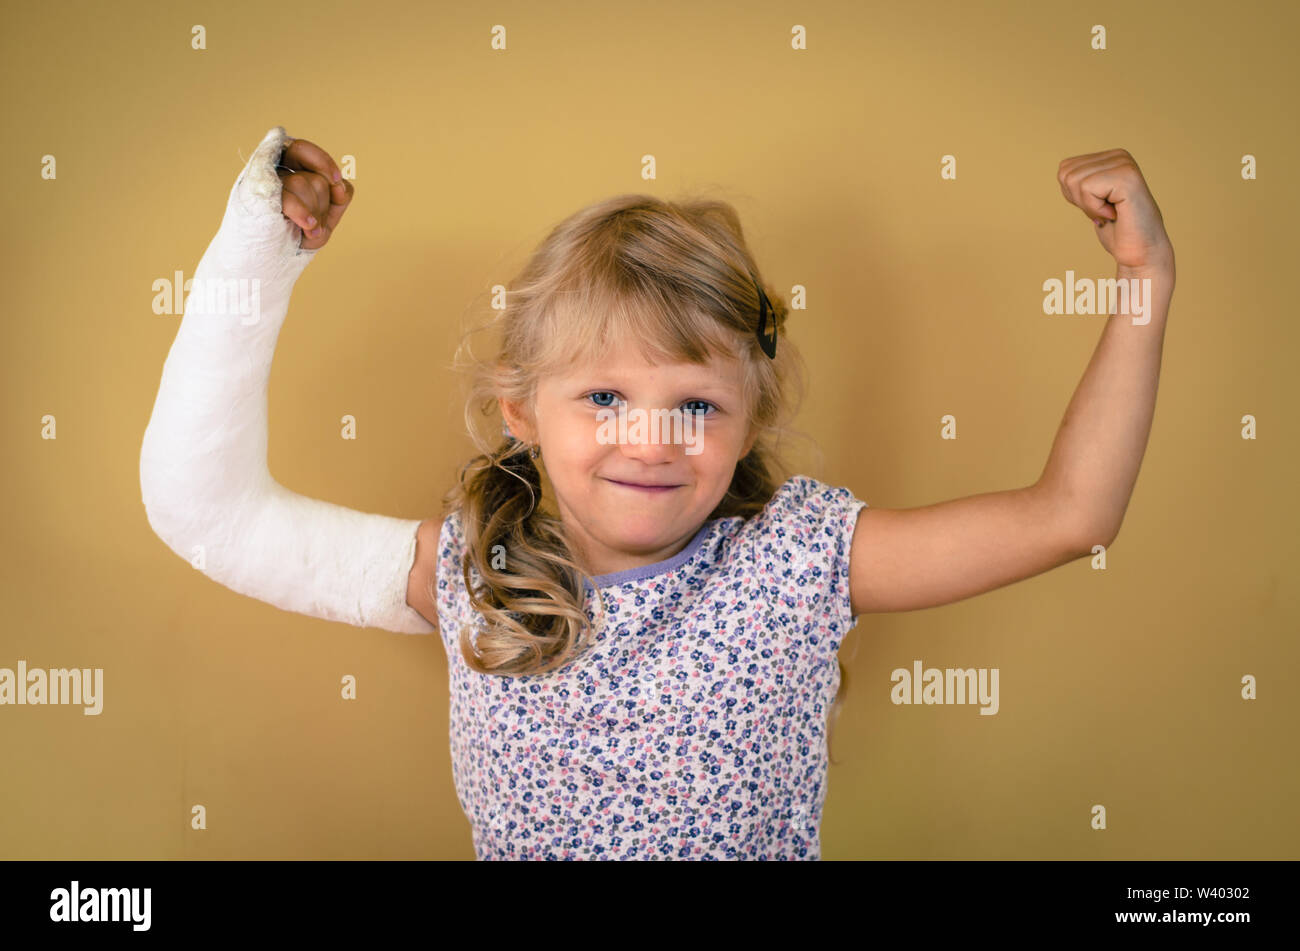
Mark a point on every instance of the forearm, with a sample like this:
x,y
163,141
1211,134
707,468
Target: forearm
x,y
1095,458
204,480
208,431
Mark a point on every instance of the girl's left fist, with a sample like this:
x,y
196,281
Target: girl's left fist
x,y
1109,187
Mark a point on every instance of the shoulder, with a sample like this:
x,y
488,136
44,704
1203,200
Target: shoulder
x,y
806,516
800,545
797,552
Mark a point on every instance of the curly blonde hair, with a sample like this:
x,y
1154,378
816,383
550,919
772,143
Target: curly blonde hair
x,y
678,278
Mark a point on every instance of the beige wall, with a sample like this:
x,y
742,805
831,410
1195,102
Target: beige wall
x,y
1118,687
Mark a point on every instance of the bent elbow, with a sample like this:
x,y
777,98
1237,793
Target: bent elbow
x,y
165,500
1095,532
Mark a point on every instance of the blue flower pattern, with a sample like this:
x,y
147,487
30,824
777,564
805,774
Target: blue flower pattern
x,y
694,725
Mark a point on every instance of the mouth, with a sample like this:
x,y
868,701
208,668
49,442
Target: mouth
x,y
643,487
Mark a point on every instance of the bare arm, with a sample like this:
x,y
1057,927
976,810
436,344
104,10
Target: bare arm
x,y
906,559
420,586
915,558
1098,450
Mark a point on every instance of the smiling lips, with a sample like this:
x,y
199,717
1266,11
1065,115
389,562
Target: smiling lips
x,y
645,488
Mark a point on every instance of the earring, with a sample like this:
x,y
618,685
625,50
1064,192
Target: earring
x,y
534,452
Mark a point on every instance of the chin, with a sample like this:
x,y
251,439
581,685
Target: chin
x,y
633,525
640,531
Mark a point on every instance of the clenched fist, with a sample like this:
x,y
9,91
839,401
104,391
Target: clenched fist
x,y
314,193
1109,188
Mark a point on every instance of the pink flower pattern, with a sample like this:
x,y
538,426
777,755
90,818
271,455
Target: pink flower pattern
x,y
694,727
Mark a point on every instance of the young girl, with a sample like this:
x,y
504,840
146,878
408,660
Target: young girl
x,y
643,645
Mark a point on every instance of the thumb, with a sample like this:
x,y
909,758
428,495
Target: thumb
x,y
1098,209
1095,204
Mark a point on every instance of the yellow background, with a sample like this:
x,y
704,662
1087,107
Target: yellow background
x,y
1119,687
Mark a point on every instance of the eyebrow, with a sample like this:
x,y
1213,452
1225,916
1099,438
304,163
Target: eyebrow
x,y
702,385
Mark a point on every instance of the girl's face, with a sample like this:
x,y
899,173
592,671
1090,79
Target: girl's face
x,y
595,462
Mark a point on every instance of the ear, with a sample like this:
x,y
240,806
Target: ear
x,y
510,412
749,443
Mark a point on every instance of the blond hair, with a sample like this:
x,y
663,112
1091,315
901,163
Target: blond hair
x,y
677,278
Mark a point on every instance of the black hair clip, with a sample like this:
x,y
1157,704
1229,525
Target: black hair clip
x,y
766,341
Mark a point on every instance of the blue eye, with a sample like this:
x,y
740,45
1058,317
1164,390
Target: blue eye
x,y
596,396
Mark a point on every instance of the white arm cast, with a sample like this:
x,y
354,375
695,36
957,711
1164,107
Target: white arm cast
x,y
203,473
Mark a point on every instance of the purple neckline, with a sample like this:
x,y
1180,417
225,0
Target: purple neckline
x,y
648,571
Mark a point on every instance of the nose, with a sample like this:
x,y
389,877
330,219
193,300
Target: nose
x,y
650,453
649,443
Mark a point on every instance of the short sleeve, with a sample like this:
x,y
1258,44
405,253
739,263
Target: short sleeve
x,y
450,579
802,542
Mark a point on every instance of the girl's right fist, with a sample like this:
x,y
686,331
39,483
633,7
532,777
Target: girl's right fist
x,y
314,193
